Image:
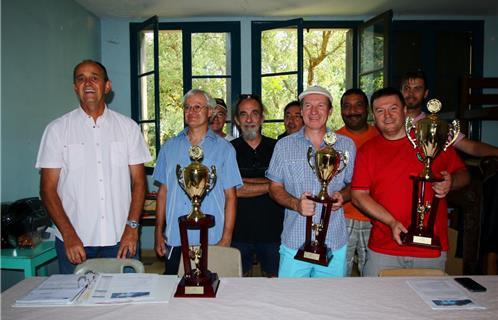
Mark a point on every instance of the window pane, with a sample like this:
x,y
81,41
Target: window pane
x,y
278,51
147,110
276,92
146,39
216,87
325,64
210,52
149,132
171,119
372,48
170,83
273,129
372,82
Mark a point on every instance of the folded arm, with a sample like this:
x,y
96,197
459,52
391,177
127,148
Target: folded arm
x,y
253,187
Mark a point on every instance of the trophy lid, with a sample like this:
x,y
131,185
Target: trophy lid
x,y
330,138
196,153
434,105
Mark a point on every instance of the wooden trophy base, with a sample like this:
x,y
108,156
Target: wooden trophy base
x,y
198,287
420,239
316,251
314,254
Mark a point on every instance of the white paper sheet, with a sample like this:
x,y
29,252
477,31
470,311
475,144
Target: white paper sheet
x,y
443,294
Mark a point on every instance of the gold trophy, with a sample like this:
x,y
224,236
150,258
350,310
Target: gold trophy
x,y
325,163
432,135
196,180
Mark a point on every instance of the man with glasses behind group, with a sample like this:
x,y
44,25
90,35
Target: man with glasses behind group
x,y
172,202
293,119
219,118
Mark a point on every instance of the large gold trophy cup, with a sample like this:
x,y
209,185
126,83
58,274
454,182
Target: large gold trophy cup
x,y
326,163
432,135
196,180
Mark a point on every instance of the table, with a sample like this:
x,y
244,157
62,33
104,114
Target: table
x,y
29,259
263,298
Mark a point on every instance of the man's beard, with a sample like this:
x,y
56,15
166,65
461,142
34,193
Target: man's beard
x,y
414,106
249,133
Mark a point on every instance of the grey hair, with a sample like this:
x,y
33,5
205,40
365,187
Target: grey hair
x,y
210,102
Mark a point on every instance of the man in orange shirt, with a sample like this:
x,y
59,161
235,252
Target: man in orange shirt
x,y
354,112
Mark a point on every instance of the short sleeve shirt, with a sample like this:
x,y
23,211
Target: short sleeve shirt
x,y
94,182
259,219
218,153
289,166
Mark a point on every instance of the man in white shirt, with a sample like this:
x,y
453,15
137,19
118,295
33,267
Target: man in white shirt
x,y
92,174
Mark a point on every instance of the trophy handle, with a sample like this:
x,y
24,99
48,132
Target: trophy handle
x,y
179,175
343,159
310,158
212,179
409,125
454,131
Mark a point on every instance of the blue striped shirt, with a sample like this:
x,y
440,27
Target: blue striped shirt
x,y
217,152
289,166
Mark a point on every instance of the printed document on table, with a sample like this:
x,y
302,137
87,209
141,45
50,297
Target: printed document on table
x,y
443,294
58,289
130,288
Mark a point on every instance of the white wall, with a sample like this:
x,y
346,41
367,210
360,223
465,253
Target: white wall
x,y
41,43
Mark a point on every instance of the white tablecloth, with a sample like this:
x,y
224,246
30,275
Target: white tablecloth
x,y
261,298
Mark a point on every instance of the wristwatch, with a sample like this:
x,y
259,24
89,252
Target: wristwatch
x,y
133,224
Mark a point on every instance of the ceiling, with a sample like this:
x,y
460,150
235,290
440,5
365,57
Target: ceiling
x,y
285,8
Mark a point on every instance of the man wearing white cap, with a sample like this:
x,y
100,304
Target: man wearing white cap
x,y
218,119
292,180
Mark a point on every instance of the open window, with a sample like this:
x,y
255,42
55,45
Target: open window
x,y
373,57
145,81
289,56
203,55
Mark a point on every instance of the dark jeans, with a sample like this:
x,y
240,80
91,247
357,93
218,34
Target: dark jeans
x,y
173,262
266,253
66,267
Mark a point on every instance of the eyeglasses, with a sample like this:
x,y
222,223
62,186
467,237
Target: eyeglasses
x,y
219,115
196,108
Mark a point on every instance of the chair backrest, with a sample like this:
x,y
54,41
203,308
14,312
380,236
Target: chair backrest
x,y
411,272
225,261
109,265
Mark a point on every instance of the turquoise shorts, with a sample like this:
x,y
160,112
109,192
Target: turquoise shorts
x,y
292,268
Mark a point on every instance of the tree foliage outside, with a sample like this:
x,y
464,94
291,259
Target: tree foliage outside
x,y
324,64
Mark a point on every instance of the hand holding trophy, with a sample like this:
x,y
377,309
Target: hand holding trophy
x,y
196,180
325,163
432,135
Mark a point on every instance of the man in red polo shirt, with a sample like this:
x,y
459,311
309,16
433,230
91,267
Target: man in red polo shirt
x,y
382,188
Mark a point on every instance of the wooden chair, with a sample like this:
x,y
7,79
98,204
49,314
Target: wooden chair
x,y
109,265
225,261
411,272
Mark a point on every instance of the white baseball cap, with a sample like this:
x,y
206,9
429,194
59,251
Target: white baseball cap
x,y
316,90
